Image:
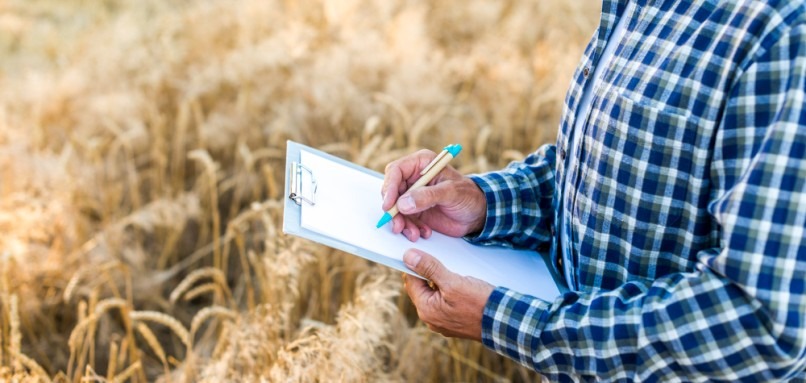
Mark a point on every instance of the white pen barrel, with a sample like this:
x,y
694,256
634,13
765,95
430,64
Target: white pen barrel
x,y
425,179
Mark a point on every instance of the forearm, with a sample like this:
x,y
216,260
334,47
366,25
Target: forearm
x,y
694,327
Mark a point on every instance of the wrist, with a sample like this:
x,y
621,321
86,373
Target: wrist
x,y
480,208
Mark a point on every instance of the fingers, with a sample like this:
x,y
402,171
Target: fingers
x,y
390,190
428,302
424,198
429,267
398,224
401,173
420,294
455,307
425,231
411,227
412,231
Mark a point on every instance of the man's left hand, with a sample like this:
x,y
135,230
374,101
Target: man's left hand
x,y
455,305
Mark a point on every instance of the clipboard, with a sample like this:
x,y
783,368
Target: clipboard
x,y
302,189
299,190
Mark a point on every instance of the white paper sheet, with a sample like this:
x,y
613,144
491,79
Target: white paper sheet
x,y
348,206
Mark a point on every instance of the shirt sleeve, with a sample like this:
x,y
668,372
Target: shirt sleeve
x,y
741,314
519,202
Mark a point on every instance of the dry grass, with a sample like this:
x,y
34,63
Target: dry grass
x,y
141,171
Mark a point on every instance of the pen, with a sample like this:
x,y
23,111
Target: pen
x,y
427,174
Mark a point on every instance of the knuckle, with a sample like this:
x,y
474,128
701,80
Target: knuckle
x,y
424,152
431,194
429,269
389,167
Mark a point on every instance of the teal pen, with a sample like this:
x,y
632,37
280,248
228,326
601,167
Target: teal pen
x,y
427,174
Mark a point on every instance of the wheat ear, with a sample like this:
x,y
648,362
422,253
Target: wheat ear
x,y
204,289
164,319
155,346
206,272
209,312
31,365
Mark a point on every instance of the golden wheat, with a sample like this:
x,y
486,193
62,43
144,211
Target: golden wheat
x,y
207,313
35,369
15,341
208,272
128,373
165,320
113,360
152,342
142,157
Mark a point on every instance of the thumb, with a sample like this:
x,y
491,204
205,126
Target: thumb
x,y
426,265
424,198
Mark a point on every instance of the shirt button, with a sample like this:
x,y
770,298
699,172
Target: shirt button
x,y
586,72
562,153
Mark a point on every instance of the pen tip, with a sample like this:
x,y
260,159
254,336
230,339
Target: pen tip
x,y
384,220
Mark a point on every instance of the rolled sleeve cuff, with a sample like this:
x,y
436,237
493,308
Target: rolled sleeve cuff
x,y
500,219
512,323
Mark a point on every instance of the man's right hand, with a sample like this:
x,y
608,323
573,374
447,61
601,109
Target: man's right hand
x,y
450,204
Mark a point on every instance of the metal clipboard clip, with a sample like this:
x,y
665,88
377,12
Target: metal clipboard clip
x,y
298,189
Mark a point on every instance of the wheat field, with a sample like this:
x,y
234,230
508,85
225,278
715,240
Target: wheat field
x,y
142,161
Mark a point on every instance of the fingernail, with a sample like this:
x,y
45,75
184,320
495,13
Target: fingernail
x,y
411,259
407,233
405,203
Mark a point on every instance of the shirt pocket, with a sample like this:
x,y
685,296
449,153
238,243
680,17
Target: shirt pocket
x,y
639,170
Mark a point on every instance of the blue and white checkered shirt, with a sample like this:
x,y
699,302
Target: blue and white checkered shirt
x,y
685,203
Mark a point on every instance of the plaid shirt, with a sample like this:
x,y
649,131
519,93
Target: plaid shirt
x,y
685,204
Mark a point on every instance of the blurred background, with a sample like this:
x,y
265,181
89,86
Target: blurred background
x,y
142,149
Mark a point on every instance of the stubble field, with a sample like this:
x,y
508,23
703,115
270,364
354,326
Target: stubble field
x,y
142,152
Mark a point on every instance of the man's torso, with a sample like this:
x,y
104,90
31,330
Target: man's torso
x,y
656,149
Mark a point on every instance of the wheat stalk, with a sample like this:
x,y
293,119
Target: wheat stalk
x,y
207,272
86,327
212,181
154,344
74,334
72,284
3,309
78,331
247,272
128,372
222,343
15,342
108,304
126,344
207,313
112,366
164,319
